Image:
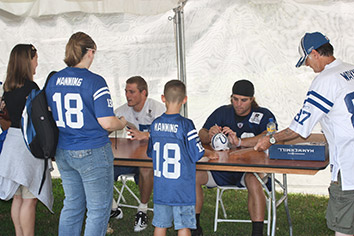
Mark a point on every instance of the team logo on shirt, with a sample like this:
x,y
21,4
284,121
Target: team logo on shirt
x,y
149,113
240,125
256,118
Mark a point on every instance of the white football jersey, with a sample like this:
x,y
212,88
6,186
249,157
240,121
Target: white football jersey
x,y
143,119
330,101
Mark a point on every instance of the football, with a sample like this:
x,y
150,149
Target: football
x,y
220,142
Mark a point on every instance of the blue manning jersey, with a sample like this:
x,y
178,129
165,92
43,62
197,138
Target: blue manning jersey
x,y
174,147
77,98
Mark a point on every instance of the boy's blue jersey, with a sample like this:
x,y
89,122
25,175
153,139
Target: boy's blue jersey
x,y
174,147
77,98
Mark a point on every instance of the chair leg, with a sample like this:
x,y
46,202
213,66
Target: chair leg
x,y
216,209
120,195
124,181
219,202
222,203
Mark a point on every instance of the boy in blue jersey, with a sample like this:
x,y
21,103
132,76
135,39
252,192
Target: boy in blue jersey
x,y
174,147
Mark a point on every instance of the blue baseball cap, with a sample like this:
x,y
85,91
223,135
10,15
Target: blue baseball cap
x,y
309,42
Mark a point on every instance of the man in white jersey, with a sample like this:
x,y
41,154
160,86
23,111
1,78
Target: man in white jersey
x,y
140,111
329,101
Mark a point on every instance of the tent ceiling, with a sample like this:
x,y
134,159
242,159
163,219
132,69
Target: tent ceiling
x,y
37,8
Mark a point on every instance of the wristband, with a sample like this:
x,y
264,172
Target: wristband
x,y
239,142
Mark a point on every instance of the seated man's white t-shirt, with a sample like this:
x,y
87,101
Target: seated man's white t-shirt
x,y
140,120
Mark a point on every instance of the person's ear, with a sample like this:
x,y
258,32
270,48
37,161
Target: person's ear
x,y
315,54
144,92
184,100
163,99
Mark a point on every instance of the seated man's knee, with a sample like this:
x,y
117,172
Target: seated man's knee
x,y
251,181
146,171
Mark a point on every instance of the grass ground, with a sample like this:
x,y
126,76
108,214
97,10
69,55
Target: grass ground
x,y
307,214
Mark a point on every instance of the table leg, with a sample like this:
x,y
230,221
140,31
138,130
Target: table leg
x,y
285,193
274,205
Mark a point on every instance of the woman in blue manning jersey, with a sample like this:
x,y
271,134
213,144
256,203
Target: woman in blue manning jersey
x,y
82,107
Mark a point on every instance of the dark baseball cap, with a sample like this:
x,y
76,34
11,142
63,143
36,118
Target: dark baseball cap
x,y
243,88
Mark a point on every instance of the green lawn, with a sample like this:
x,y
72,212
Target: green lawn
x,y
307,213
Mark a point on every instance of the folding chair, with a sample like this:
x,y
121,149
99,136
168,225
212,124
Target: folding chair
x,y
124,179
219,201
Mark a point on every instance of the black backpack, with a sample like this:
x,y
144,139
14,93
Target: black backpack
x,y
39,127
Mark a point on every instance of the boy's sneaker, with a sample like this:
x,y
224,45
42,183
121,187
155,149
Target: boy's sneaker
x,y
141,221
197,232
117,213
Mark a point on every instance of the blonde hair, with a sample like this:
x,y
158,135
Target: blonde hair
x,y
76,48
19,68
174,91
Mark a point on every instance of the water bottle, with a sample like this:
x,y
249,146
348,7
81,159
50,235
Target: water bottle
x,y
271,127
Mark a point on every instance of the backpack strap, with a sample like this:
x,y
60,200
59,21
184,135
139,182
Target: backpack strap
x,y
45,159
44,175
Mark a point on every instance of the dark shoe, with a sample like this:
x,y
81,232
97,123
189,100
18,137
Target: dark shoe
x,y
118,214
141,221
197,232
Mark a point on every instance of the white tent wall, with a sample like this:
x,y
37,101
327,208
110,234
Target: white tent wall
x,y
225,40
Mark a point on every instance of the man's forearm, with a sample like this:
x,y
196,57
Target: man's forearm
x,y
204,136
252,141
285,135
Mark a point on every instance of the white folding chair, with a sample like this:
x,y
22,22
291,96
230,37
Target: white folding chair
x,y
219,192
124,178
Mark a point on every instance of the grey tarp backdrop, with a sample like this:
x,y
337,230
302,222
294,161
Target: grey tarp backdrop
x,y
225,40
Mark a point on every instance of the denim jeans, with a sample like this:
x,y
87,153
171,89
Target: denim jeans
x,y
87,177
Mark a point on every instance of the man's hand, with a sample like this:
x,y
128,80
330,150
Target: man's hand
x,y
232,136
214,130
137,135
262,144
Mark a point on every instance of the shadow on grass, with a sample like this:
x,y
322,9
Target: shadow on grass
x,y
307,214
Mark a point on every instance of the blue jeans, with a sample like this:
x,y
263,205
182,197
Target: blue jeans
x,y
182,216
87,177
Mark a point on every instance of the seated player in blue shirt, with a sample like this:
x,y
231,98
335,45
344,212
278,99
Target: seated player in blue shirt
x,y
244,122
174,147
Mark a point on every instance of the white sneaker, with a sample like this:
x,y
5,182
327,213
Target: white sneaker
x,y
141,221
118,214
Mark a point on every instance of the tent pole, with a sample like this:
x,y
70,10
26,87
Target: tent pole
x,y
180,50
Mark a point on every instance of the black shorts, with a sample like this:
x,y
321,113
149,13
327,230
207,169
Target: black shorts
x,y
123,170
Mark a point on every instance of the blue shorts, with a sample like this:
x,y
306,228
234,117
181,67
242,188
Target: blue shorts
x,y
182,216
122,170
223,178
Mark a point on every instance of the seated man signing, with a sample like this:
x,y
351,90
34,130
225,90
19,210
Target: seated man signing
x,y
244,122
139,111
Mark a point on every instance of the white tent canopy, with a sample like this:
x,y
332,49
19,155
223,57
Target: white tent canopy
x,y
37,8
226,40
